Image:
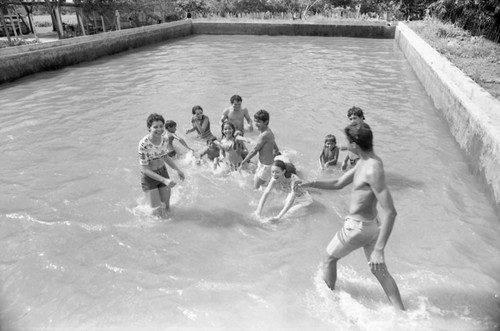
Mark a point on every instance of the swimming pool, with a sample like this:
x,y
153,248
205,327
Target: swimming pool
x,y
80,251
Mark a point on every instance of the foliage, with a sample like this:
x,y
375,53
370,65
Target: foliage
x,y
15,42
480,17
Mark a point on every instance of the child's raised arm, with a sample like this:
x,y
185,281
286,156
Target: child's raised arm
x,y
183,143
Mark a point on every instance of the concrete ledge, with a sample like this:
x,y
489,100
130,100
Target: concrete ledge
x,y
16,62
472,113
380,31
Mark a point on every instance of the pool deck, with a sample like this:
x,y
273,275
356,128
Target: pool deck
x,y
472,113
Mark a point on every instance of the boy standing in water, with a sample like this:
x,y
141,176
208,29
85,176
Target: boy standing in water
x,y
363,227
355,115
265,146
235,114
170,128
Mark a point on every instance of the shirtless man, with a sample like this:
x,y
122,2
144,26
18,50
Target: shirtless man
x,y
265,146
362,227
235,114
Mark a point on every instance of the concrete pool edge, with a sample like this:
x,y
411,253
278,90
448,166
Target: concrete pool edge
x,y
17,62
472,113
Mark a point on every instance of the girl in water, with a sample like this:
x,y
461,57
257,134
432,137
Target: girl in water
x,y
153,152
284,181
231,145
201,124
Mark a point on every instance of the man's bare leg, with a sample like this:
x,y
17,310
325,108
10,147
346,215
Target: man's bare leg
x,y
390,287
330,272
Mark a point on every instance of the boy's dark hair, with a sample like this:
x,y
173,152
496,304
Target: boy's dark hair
x,y
153,118
195,108
235,97
262,115
330,137
356,111
211,139
361,134
170,123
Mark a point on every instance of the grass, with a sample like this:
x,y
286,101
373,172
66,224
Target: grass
x,y
477,57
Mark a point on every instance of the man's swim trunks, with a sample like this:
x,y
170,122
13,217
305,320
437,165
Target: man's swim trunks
x,y
353,235
263,171
149,183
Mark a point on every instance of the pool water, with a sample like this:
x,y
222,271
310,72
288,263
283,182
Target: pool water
x,y
80,251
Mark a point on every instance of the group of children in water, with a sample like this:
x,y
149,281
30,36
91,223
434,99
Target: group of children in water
x,y
230,154
363,227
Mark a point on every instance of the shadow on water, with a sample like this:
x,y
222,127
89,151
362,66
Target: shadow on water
x,y
227,218
397,182
215,217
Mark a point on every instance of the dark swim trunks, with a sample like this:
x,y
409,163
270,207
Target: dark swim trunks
x,y
149,183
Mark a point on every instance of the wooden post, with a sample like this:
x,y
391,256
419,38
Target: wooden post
x,y
33,26
13,26
5,30
80,21
103,24
19,24
60,30
117,17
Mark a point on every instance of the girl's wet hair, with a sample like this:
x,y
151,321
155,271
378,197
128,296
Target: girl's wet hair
x,y
195,108
153,118
227,123
288,168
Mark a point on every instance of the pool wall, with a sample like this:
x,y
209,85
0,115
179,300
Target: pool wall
x,y
373,30
16,62
472,113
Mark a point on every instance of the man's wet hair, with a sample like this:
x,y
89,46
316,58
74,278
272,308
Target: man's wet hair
x,y
153,118
262,115
356,111
361,134
235,97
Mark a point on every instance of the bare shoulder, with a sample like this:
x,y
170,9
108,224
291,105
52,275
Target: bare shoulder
x,y
374,171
